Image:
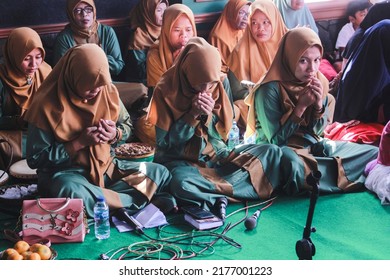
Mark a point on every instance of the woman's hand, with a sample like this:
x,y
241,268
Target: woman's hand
x,y
202,104
88,137
316,91
107,129
312,96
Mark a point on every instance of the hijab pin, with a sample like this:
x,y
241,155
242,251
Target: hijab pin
x,y
85,101
29,80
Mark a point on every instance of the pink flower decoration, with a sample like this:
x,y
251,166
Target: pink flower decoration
x,y
67,228
72,215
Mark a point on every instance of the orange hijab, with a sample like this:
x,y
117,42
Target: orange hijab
x,y
172,97
83,36
292,46
225,35
160,55
143,23
59,109
19,44
250,60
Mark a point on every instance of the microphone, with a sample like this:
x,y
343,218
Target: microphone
x,y
124,216
251,222
220,206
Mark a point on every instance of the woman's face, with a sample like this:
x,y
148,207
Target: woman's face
x,y
181,32
32,61
160,9
261,27
242,17
308,64
297,4
89,94
83,15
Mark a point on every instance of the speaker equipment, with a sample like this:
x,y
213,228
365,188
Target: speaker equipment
x,y
305,248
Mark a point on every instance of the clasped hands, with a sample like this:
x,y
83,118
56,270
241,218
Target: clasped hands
x,y
312,96
104,132
202,104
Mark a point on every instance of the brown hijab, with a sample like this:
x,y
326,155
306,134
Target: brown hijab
x,y
250,60
19,44
82,36
59,109
143,23
172,97
225,35
292,46
160,55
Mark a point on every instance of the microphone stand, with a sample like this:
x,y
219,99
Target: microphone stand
x,y
305,248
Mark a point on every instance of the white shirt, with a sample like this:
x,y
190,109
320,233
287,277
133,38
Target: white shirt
x,y
345,34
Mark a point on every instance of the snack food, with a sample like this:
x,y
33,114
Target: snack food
x,y
136,150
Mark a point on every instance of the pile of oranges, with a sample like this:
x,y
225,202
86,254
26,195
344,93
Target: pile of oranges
x,y
23,251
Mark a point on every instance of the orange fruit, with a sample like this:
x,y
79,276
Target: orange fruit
x,y
34,247
21,246
34,256
7,253
44,252
15,256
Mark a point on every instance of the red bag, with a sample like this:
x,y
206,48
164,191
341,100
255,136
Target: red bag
x,y
60,220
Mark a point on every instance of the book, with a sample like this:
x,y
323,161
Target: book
x,y
149,217
202,224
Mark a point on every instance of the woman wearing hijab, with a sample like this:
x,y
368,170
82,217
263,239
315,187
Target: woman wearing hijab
x,y
255,52
84,28
193,116
178,26
296,13
145,25
229,28
21,74
73,122
289,108
364,89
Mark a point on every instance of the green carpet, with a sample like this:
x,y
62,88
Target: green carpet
x,y
353,226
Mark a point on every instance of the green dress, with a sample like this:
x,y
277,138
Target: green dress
x,y
108,42
249,172
59,177
341,163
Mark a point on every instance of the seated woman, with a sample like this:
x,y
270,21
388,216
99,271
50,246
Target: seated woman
x,y
296,13
84,28
178,26
289,108
364,89
21,74
229,28
253,55
193,116
70,148
145,28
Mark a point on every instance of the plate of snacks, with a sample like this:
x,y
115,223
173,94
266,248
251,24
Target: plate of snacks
x,y
135,151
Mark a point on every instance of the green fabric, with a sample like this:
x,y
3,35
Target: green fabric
x,y
352,226
108,41
269,112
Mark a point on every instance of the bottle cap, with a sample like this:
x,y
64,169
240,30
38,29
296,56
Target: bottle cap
x,y
100,198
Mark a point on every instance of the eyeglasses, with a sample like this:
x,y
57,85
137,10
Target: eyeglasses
x,y
243,14
86,10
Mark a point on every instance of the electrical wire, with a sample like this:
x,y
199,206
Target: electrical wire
x,y
160,247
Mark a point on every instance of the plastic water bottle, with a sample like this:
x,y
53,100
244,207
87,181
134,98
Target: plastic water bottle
x,y
234,136
102,219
